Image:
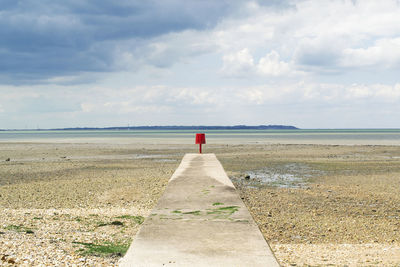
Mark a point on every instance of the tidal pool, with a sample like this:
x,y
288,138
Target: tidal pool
x,y
289,175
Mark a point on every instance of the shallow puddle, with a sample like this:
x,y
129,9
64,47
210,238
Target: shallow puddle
x,y
290,175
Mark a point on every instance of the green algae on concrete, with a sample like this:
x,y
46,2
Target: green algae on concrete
x,y
213,228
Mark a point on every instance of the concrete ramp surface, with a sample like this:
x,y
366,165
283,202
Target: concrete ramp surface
x,y
200,220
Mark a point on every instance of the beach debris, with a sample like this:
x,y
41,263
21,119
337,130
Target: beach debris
x,y
6,259
247,177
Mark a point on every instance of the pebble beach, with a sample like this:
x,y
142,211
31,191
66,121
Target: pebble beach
x,y
80,204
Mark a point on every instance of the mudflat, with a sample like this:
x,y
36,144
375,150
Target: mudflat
x,y
82,203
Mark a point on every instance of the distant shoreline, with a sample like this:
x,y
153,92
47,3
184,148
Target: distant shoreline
x,y
172,127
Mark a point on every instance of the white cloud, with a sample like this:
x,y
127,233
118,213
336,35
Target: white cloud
x,y
88,107
384,53
358,91
272,65
323,36
162,104
314,36
195,96
307,93
336,34
129,107
239,63
389,93
242,63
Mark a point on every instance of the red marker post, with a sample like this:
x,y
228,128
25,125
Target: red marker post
x,y
200,139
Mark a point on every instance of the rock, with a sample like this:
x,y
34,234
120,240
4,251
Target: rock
x,y
247,177
8,159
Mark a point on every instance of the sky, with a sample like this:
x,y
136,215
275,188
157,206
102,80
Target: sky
x,y
97,63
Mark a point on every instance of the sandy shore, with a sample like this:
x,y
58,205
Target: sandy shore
x,y
82,203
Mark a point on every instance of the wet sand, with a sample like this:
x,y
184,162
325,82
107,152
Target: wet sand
x,y
343,208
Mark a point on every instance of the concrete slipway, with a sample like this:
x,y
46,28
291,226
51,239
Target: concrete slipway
x,y
200,220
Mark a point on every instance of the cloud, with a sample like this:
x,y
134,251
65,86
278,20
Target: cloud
x,y
241,64
272,65
317,37
238,63
337,35
165,50
380,93
149,105
159,62
43,39
43,104
384,53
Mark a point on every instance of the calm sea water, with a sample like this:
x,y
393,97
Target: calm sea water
x,y
340,136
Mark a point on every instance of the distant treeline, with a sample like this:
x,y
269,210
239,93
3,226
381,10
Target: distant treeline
x,y
200,127
173,127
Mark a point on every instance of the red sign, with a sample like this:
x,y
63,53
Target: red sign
x,y
200,139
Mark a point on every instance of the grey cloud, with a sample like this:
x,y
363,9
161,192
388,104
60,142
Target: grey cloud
x,y
319,54
317,58
44,104
43,39
279,4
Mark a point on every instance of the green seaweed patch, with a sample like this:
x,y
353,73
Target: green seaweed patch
x,y
19,229
136,219
176,211
107,249
217,204
13,227
229,210
242,221
195,212
205,191
117,223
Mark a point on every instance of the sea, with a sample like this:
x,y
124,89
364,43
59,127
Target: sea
x,y
303,136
